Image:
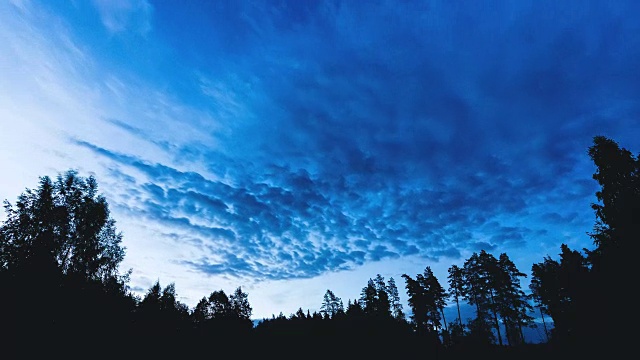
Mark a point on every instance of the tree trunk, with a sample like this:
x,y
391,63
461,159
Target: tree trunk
x,y
546,333
445,320
459,316
495,319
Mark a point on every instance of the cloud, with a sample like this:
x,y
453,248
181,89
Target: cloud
x,y
125,15
299,226
291,141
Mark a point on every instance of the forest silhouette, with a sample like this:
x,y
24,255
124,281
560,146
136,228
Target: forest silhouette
x,y
62,292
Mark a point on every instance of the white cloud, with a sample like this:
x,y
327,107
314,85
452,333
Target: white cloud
x,y
125,15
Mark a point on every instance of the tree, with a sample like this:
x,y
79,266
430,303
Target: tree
x,y
512,303
382,302
418,303
174,313
564,289
427,299
492,278
240,306
220,305
202,311
438,293
616,230
59,258
581,293
375,298
456,287
331,304
66,223
150,307
222,316
369,299
618,207
545,288
394,299
476,292
300,314
354,310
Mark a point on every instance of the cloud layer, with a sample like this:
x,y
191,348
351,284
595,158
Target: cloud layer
x,y
288,140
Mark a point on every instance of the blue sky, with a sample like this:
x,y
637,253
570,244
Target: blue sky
x,y
290,147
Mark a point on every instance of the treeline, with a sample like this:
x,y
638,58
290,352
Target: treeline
x,y
60,251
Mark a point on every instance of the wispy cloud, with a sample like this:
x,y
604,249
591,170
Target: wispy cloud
x,y
125,15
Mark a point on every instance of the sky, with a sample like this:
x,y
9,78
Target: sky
x,y
294,147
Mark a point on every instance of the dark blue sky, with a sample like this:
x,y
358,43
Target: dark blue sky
x,y
290,147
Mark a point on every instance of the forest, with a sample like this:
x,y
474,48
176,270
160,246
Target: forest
x,y
62,293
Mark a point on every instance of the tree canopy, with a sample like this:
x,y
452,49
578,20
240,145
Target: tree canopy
x,y
65,223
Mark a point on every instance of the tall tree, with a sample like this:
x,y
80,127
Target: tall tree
x,y
240,306
383,302
491,276
565,290
616,230
512,303
369,299
60,239
455,279
618,207
476,292
545,288
439,294
427,300
419,304
66,222
394,299
456,287
331,304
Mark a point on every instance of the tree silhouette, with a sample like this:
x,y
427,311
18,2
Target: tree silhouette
x,y
476,293
331,304
540,290
219,306
64,222
571,289
564,289
423,300
456,287
512,303
616,230
240,307
59,258
394,299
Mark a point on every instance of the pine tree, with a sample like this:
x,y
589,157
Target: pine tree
x,y
331,304
394,298
476,292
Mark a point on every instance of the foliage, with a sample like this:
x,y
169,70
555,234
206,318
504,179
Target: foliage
x,y
331,305
66,223
581,292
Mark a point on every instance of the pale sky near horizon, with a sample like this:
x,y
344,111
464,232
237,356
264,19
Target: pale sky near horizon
x,y
290,147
